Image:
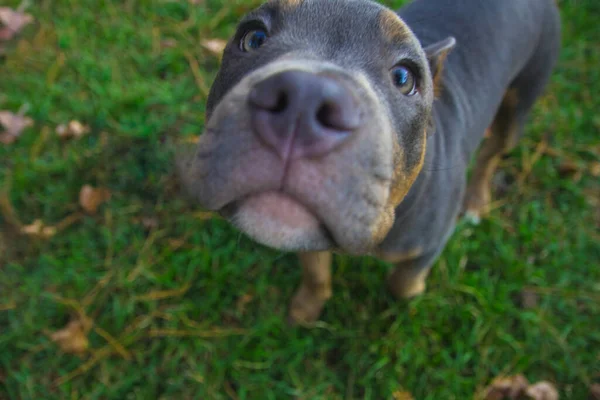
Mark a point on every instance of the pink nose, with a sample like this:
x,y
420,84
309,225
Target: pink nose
x,y
300,114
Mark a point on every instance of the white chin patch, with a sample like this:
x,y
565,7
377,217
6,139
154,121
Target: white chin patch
x,y
277,220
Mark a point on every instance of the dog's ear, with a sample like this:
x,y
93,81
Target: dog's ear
x,y
436,55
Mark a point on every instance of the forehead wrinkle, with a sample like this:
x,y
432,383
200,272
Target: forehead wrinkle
x,y
392,27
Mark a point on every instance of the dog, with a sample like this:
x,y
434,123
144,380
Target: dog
x,y
340,125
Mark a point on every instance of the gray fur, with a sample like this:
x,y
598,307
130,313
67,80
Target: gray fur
x,y
501,44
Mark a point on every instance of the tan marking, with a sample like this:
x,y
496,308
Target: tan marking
x,y
401,257
383,225
287,5
406,283
502,137
437,74
392,27
401,183
403,180
315,290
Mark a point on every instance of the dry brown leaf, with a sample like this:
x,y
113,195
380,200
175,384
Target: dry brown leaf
x,y
529,299
168,43
38,229
595,391
91,198
14,124
13,21
570,169
241,303
215,46
401,395
73,129
595,169
149,222
510,387
542,391
73,338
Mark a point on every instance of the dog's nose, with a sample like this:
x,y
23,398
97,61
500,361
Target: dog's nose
x,y
300,114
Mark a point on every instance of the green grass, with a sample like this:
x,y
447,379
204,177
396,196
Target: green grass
x,y
220,332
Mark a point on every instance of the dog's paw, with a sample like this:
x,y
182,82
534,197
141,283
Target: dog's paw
x,y
305,307
405,285
476,205
473,217
407,292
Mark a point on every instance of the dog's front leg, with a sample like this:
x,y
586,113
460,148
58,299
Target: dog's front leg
x,y
315,289
408,278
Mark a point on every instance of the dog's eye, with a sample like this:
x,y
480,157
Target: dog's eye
x,y
405,80
253,39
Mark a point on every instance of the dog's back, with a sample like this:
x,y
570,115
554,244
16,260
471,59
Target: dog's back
x,y
505,54
501,45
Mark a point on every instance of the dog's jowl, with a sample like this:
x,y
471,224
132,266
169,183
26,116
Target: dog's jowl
x,y
339,125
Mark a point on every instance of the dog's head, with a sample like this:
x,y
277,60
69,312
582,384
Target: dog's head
x,y
316,124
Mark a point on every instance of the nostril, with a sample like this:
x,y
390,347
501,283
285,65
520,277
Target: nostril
x,y
281,104
324,115
338,116
301,114
265,98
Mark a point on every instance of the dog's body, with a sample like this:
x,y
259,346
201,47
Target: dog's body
x,y
311,146
506,51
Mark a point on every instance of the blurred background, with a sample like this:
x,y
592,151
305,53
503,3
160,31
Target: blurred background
x,y
113,287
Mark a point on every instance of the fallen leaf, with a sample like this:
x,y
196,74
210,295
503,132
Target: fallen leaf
x,y
168,43
215,46
570,169
14,124
73,129
529,299
595,391
241,303
400,395
73,339
91,198
510,387
37,228
542,391
13,21
595,169
149,222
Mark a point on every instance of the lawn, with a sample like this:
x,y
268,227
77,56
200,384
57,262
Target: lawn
x,y
174,304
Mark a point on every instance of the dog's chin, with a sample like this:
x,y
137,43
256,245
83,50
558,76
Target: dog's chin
x,y
279,221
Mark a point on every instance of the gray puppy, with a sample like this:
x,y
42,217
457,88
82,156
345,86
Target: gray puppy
x,y
324,113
